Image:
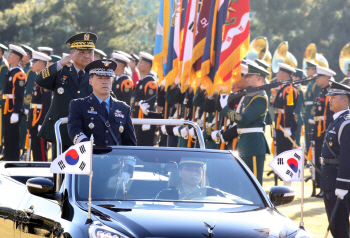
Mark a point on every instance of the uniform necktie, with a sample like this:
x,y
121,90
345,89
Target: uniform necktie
x,y
80,74
104,110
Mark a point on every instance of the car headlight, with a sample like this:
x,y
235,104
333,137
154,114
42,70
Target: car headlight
x,y
98,230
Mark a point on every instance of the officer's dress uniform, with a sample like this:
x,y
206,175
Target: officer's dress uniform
x,y
312,90
31,76
13,93
210,107
335,171
84,121
323,117
123,87
66,83
36,115
251,144
284,116
146,88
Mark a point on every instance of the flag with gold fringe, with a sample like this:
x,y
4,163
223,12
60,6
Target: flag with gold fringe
x,y
200,38
187,44
235,43
211,55
171,69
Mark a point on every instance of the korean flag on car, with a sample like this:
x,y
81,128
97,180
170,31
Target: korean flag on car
x,y
288,165
75,160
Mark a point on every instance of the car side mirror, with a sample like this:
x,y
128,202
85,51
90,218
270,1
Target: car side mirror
x,y
42,187
280,195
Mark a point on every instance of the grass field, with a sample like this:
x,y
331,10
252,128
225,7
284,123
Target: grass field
x,y
315,217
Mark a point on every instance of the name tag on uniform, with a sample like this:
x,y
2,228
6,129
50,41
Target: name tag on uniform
x,y
92,112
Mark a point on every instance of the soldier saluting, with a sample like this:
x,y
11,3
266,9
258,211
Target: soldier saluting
x,y
66,83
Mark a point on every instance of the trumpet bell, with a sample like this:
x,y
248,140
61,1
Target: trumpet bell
x,y
344,58
311,55
257,48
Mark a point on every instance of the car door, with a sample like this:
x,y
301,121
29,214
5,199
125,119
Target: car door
x,y
11,195
38,217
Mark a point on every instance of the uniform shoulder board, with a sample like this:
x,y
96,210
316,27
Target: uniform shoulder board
x,y
347,117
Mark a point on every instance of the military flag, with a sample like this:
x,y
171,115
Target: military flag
x,y
200,37
187,44
162,37
288,165
235,43
171,69
211,55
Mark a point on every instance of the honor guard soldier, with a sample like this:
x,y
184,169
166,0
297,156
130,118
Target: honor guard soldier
x,y
229,137
127,69
66,83
335,163
312,90
54,59
285,103
31,76
122,85
99,54
46,50
39,106
298,113
133,66
323,116
13,94
346,80
108,119
100,115
145,89
251,144
4,68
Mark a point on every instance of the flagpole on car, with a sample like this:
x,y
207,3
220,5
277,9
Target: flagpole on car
x,y
88,220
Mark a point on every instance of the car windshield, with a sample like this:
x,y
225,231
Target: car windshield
x,y
168,175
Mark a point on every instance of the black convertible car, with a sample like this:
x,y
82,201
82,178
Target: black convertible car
x,y
173,192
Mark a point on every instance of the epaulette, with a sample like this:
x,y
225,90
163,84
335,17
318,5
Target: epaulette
x,y
346,117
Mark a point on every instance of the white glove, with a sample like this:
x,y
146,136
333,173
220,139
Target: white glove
x,y
144,106
184,132
14,118
26,111
340,193
288,132
176,131
163,82
163,128
146,127
192,133
39,127
223,100
311,121
124,179
215,135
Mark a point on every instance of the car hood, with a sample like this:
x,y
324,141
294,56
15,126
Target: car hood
x,y
238,221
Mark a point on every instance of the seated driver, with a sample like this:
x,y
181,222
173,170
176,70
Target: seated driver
x,y
190,175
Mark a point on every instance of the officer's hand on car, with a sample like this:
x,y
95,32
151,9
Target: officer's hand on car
x,y
144,106
14,118
68,58
341,193
146,127
223,100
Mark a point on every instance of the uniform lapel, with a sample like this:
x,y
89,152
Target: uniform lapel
x,y
85,79
73,73
112,104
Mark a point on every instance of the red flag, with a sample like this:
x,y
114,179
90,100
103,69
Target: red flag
x,y
235,43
